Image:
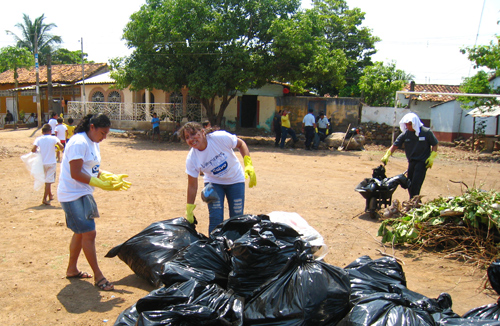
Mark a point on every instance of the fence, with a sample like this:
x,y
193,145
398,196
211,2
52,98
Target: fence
x,y
137,111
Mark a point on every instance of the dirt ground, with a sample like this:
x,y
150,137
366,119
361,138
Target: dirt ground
x,y
318,185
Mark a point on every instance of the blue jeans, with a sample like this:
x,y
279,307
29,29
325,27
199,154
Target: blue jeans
x,y
235,194
284,133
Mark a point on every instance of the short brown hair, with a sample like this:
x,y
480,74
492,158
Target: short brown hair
x,y
46,128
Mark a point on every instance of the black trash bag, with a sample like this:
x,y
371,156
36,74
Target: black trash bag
x,y
439,308
394,182
379,173
468,322
208,194
306,292
386,309
175,294
203,260
146,252
259,255
368,186
128,317
369,276
494,275
235,227
490,311
191,302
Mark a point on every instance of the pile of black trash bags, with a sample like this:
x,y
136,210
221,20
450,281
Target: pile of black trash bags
x,y
251,271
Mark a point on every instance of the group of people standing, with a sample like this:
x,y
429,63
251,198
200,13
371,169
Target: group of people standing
x,y
311,127
211,155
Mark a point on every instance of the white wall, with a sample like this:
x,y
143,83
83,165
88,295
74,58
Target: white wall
x,y
446,117
382,115
468,122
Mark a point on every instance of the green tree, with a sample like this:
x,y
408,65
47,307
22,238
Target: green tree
x,y
487,56
380,82
342,30
36,30
13,58
217,48
65,56
302,56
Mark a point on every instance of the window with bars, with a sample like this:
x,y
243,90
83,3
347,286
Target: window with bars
x,y
98,97
115,97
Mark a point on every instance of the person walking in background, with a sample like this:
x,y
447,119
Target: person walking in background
x,y
420,146
323,126
61,134
285,129
47,145
276,127
308,126
80,173
212,153
155,122
53,122
71,128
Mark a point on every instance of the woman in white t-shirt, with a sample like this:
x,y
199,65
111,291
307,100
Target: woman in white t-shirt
x,y
80,173
212,153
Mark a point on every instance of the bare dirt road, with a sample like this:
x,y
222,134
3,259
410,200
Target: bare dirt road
x,y
317,185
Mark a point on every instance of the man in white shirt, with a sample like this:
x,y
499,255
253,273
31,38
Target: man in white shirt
x,y
308,126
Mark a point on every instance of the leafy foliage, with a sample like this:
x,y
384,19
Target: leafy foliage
x,y
65,56
380,82
37,30
475,209
344,33
485,55
12,58
213,47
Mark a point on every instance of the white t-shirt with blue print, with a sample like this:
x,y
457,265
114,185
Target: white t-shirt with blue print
x,y
218,162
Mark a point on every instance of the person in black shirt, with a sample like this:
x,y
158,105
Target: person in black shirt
x,y
420,147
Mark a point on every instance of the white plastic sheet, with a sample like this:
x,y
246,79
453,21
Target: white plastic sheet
x,y
34,165
299,224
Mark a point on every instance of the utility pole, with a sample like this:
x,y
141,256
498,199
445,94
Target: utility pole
x,y
83,83
38,104
49,83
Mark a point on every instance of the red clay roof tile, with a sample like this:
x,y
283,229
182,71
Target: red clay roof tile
x,y
64,74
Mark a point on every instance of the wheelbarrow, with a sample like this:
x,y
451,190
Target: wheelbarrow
x,y
377,190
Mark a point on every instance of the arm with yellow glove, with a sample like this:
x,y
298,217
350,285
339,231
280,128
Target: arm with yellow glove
x,y
108,176
105,184
430,160
247,161
388,154
191,196
249,171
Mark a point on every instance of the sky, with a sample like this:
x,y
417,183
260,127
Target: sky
x,y
422,37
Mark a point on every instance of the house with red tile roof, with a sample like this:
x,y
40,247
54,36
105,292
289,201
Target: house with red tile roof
x,y
63,81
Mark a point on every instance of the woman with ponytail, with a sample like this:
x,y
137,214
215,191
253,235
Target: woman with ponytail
x,y
80,173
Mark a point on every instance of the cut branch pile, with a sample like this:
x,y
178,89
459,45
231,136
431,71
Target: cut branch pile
x,y
465,227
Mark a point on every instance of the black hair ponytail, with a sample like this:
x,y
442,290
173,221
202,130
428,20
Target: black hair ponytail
x,y
99,120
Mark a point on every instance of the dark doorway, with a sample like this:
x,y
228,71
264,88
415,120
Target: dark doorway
x,y
248,111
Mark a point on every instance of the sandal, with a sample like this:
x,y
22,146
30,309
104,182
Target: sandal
x,y
81,275
104,285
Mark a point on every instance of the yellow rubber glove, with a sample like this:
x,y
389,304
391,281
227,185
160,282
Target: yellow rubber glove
x,y
327,132
189,212
249,171
430,160
385,159
108,176
105,185
316,130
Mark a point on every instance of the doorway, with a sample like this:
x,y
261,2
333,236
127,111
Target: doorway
x,y
248,111
11,106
